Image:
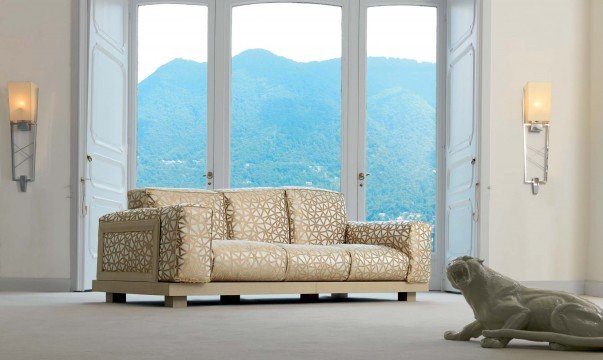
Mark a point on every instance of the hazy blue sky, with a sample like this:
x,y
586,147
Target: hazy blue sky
x,y
302,32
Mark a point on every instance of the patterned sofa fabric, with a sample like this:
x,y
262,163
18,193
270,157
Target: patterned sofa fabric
x,y
412,238
316,263
291,234
158,197
257,215
184,241
375,263
316,216
242,260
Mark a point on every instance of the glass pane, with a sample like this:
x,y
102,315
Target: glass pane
x,y
401,113
286,95
172,96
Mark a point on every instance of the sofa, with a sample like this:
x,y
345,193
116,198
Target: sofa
x,y
181,242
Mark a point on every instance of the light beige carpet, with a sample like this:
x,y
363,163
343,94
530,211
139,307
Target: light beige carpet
x,y
82,326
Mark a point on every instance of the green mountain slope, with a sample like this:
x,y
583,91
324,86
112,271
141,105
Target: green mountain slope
x,y
286,128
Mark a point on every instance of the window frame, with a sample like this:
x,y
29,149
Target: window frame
x,y
224,163
133,79
353,98
437,257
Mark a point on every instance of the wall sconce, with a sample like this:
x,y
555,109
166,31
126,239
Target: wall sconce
x,y
23,113
536,118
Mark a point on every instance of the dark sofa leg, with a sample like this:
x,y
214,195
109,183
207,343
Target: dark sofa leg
x,y
339,295
115,297
230,299
308,297
407,296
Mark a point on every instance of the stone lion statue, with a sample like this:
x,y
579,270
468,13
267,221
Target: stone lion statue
x,y
506,310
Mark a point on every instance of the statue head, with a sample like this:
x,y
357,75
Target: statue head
x,y
463,270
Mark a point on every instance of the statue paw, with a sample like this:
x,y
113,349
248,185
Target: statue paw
x,y
492,343
451,335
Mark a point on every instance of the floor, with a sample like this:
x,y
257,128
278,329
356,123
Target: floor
x,y
83,326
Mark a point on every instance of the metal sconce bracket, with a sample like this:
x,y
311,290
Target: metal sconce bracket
x,y
536,182
22,154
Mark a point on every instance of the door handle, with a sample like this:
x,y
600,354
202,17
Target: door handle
x,y
362,176
209,176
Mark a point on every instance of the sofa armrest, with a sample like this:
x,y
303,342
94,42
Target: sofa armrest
x,y
410,237
171,243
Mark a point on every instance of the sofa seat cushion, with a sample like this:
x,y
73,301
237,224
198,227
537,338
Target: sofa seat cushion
x,y
316,216
241,260
316,263
257,214
375,262
159,197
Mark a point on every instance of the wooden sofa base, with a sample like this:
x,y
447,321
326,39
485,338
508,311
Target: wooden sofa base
x,y
176,293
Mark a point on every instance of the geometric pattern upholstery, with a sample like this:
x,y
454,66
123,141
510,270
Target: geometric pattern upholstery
x,y
257,215
157,197
185,244
184,241
316,216
259,230
130,252
130,215
410,237
316,263
241,260
376,263
419,269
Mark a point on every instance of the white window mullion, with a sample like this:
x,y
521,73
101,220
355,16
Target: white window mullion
x,y
211,95
350,95
361,109
221,123
132,93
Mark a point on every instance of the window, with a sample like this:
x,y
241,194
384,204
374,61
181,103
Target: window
x,y
281,94
285,104
172,95
401,113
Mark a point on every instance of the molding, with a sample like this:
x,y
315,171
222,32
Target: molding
x,y
593,288
35,284
574,287
484,57
79,118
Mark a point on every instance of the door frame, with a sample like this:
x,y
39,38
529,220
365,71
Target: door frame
x,y
350,120
80,12
212,125
78,144
437,257
224,72
481,19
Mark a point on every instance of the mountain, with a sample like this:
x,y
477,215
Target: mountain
x,y
286,128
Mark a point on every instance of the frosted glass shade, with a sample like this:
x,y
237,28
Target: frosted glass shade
x,y
537,103
22,101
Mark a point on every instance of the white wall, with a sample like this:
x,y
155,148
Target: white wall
x,y
531,238
35,45
543,237
595,269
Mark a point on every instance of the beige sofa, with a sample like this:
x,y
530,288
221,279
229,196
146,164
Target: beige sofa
x,y
178,243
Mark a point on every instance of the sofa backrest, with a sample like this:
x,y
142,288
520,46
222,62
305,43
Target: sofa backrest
x,y
257,214
279,215
158,197
316,216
